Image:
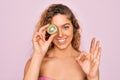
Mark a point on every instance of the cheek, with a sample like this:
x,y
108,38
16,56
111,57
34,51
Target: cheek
x,y
70,32
71,36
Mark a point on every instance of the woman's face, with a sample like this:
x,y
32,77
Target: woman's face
x,y
65,31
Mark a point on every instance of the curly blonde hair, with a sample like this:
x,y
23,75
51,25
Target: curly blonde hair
x,y
55,9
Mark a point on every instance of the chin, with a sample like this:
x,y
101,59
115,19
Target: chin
x,y
62,47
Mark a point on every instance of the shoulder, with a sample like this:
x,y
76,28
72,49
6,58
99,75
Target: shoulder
x,y
47,61
47,65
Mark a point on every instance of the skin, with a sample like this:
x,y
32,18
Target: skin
x,y
62,62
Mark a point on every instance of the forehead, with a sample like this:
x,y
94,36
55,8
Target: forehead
x,y
60,19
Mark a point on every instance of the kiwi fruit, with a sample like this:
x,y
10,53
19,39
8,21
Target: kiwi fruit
x,y
52,29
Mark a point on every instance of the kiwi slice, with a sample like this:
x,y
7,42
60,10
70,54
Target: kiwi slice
x,y
52,29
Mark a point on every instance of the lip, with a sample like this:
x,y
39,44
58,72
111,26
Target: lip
x,y
61,40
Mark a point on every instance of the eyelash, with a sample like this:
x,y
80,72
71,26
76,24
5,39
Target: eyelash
x,y
66,27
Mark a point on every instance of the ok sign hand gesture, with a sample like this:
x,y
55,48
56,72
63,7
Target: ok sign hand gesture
x,y
89,62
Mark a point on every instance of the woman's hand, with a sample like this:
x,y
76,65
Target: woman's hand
x,y
40,44
90,62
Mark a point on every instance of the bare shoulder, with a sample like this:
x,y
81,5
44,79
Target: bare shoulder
x,y
47,61
47,64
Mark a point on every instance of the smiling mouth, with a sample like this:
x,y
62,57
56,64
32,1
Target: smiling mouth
x,y
61,40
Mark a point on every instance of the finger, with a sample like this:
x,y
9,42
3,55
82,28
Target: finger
x,y
42,32
50,39
99,53
36,37
43,28
83,56
42,36
96,48
92,45
91,57
96,62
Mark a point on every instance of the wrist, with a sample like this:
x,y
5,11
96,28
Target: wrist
x,y
93,77
38,53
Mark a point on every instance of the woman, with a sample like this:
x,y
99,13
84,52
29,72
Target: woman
x,y
57,56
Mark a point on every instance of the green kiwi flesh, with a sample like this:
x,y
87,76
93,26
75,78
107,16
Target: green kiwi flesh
x,y
52,29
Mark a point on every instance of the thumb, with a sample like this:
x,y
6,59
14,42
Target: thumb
x,y
51,38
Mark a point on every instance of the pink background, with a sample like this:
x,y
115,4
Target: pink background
x,y
98,18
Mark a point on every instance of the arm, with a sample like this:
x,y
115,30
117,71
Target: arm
x,y
32,67
40,47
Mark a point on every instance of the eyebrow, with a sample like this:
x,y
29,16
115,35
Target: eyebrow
x,y
66,24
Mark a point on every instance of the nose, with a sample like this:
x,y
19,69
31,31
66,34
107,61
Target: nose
x,y
60,33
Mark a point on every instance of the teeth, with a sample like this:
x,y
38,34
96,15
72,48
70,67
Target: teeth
x,y
61,40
